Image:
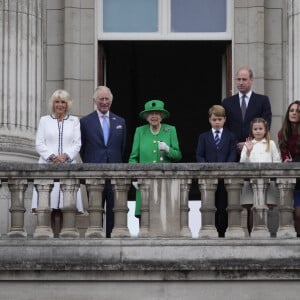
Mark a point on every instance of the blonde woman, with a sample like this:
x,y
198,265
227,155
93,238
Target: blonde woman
x,y
58,140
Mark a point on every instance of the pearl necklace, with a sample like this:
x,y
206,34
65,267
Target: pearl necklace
x,y
155,132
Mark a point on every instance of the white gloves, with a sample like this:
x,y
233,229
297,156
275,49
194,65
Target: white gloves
x,y
135,184
162,146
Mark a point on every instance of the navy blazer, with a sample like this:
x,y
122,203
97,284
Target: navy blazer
x,y
207,151
258,107
93,149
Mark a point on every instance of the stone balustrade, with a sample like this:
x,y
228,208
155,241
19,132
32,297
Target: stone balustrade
x,y
165,193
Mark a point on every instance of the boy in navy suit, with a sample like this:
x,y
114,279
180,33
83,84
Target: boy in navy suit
x,y
218,145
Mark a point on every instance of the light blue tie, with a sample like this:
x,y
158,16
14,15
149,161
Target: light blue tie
x,y
105,129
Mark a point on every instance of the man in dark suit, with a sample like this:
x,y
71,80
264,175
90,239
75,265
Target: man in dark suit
x,y
218,145
243,107
103,138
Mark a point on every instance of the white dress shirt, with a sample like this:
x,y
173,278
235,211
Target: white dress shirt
x,y
247,98
214,132
100,115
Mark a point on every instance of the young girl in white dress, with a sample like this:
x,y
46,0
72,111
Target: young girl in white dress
x,y
259,148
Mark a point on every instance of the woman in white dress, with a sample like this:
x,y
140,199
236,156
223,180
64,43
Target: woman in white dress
x,y
58,140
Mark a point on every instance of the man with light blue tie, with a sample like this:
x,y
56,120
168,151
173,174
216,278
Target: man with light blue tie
x,y
103,139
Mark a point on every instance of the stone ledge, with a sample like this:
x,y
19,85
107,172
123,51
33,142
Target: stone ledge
x,y
150,259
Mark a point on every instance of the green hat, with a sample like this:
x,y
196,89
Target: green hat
x,y
154,105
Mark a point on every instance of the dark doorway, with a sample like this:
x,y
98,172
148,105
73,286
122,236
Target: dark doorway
x,y
186,75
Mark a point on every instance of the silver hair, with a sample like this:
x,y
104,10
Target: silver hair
x,y
64,96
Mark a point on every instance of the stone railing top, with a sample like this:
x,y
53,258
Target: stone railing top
x,y
178,170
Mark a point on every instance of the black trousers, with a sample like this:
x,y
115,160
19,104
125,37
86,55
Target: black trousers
x,y
108,199
221,202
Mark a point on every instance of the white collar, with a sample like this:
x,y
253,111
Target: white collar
x,y
214,130
263,141
100,114
248,95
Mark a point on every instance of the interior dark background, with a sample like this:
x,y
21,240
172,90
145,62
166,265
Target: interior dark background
x,y
187,76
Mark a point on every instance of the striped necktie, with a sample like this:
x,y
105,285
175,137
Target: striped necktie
x,y
217,137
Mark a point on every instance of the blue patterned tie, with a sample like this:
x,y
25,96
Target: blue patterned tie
x,y
217,137
105,128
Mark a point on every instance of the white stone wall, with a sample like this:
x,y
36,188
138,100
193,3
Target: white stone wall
x,y
70,51
260,42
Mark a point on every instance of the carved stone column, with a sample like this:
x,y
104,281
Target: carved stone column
x,y
94,189
43,229
121,188
21,79
144,185
0,198
260,209
184,208
233,187
286,207
208,188
17,190
69,188
294,50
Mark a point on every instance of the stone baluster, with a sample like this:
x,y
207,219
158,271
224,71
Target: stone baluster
x,y
286,207
208,188
184,208
144,185
43,229
17,189
95,188
121,188
260,209
233,187
69,188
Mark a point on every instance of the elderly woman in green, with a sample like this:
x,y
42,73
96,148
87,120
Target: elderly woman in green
x,y
155,142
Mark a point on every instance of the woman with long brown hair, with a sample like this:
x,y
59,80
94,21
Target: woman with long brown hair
x,y
289,145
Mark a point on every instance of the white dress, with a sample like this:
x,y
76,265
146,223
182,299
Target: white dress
x,y
260,155
58,137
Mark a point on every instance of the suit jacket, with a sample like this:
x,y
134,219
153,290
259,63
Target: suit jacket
x,y
258,107
93,148
208,151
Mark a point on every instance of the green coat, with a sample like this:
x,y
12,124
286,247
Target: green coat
x,y
145,150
